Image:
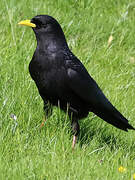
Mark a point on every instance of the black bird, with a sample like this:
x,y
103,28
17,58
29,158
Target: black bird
x,y
63,81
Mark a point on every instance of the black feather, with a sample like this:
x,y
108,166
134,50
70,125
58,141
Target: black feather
x,y
63,81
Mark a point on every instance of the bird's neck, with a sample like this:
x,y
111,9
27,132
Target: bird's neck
x,y
50,43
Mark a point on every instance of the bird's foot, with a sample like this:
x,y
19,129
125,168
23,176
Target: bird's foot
x,y
43,123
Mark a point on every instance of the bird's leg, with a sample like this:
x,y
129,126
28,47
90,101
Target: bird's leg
x,y
76,130
48,112
74,141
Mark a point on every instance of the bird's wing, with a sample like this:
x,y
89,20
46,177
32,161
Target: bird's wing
x,y
87,89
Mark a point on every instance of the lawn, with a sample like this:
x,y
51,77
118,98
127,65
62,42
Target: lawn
x,y
30,152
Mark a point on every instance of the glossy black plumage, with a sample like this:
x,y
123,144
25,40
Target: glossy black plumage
x,y
63,81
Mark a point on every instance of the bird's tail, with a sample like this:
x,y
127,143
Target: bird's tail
x,y
115,118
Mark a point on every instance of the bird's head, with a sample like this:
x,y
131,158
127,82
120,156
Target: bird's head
x,y
44,25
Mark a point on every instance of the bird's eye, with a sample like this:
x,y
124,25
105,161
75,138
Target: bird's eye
x,y
44,25
41,25
38,23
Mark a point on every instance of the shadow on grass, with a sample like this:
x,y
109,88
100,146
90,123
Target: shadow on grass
x,y
92,129
104,135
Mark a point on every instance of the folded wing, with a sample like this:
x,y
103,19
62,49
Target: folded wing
x,y
87,89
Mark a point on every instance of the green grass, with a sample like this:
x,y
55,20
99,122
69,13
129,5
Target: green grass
x,y
28,152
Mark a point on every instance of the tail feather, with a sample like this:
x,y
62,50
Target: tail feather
x,y
115,118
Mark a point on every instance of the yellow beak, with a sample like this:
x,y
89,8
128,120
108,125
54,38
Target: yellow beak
x,y
27,23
